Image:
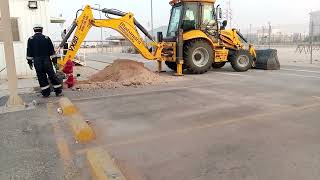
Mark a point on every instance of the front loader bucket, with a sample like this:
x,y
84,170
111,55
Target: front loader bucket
x,y
267,59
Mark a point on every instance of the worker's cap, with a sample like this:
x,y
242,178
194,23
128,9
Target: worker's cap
x,y
37,27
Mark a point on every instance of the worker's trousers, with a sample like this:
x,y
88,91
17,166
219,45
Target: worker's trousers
x,y
44,70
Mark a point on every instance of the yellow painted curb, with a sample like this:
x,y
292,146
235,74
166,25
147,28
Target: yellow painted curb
x,y
67,107
81,130
102,165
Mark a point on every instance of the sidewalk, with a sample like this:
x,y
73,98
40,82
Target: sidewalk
x,y
25,86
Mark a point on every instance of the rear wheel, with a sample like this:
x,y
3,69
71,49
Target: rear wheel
x,y
198,55
241,61
218,65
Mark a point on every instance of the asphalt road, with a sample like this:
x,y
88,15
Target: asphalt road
x,y
256,125
27,147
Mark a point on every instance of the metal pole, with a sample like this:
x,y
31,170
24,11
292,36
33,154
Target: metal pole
x,y
14,99
311,40
270,31
152,33
101,30
250,35
263,37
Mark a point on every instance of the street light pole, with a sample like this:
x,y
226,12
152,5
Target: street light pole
x,y
101,32
250,37
311,40
14,99
152,33
270,32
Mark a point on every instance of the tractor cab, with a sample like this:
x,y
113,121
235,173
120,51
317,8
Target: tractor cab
x,y
192,15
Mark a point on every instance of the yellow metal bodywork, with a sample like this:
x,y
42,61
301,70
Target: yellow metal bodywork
x,y
125,26
230,39
252,51
179,69
221,55
84,25
197,34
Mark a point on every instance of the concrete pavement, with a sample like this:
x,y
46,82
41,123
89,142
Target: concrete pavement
x,y
28,149
220,125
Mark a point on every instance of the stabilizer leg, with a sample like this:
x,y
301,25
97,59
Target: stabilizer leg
x,y
179,69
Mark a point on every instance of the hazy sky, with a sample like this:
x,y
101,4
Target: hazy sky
x,y
245,12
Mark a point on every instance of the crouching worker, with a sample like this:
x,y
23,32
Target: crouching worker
x,y
40,53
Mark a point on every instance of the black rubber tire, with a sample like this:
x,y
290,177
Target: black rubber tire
x,y
234,59
218,65
188,51
173,66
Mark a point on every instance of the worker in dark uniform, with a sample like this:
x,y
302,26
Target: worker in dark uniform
x,y
65,46
40,53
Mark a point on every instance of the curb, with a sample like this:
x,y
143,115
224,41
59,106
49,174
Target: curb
x,y
102,165
80,128
67,107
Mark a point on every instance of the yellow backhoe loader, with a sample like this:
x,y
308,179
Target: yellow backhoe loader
x,y
195,41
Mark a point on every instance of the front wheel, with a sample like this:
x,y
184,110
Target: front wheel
x,y
241,61
198,56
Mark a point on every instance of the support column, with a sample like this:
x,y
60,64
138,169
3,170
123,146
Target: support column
x,y
180,60
14,99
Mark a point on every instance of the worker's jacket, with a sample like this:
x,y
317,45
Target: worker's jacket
x,y
40,45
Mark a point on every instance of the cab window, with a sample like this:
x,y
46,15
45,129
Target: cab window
x,y
174,21
208,14
190,19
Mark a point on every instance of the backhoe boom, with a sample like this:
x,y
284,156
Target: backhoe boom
x,y
125,25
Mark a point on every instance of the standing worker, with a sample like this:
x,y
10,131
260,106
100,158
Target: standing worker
x,y
65,46
40,53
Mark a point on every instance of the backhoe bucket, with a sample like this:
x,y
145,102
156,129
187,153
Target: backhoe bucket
x,y
267,59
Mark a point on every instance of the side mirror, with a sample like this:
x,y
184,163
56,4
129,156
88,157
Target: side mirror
x,y
224,23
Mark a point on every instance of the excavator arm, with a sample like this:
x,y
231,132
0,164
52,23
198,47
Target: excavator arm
x,y
126,25
231,38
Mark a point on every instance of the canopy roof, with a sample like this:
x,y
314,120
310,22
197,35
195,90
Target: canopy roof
x,y
173,2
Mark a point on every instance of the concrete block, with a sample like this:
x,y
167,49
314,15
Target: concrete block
x,y
67,107
81,130
102,165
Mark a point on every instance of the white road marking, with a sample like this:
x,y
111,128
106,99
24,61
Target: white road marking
x,y
300,70
317,97
232,74
299,75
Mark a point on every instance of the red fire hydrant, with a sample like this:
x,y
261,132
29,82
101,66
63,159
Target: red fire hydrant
x,y
68,70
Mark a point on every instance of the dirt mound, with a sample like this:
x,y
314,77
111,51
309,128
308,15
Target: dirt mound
x,y
121,73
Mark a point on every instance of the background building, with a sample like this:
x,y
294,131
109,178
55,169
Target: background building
x,y
24,14
315,26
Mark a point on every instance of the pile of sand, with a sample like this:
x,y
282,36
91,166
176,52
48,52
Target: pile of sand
x,y
121,73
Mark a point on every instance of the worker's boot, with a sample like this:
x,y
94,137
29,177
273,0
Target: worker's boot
x,y
46,92
58,92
